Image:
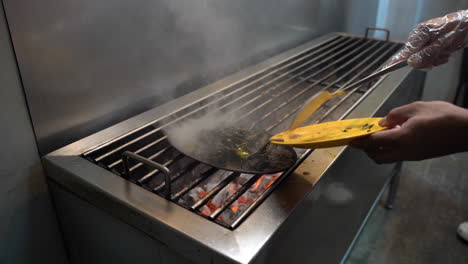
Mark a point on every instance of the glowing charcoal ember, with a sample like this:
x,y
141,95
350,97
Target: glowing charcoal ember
x,y
197,193
247,199
203,188
263,183
257,183
205,211
219,199
269,184
242,199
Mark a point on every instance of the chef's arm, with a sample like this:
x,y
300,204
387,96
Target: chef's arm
x,y
423,130
432,42
418,131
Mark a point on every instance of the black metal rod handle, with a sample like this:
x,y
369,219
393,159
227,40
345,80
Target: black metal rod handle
x,y
167,173
387,32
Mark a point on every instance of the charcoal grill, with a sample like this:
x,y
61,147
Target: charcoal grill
x,y
269,98
143,180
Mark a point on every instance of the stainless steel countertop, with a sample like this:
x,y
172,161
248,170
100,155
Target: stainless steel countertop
x,y
185,232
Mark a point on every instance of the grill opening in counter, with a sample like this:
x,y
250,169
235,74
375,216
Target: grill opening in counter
x,y
266,100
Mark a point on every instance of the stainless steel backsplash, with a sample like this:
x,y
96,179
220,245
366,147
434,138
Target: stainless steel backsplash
x,y
88,64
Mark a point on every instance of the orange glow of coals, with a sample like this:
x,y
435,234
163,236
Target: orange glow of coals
x,y
212,206
205,212
242,199
201,194
257,183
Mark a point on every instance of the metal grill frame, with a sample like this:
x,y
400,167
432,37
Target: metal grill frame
x,y
363,54
188,233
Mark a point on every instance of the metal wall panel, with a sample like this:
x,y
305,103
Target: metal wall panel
x,y
400,17
88,64
29,231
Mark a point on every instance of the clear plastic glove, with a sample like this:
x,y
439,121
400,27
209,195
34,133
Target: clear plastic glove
x,y
421,130
432,42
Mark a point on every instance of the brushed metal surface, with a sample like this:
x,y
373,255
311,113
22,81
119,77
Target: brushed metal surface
x,y
29,231
87,65
400,17
202,241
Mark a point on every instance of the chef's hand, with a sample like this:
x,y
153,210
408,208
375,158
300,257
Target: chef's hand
x,y
432,42
420,130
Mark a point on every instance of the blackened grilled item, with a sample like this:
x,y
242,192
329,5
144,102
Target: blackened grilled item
x,y
243,150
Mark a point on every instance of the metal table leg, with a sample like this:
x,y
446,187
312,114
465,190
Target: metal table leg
x,y
393,185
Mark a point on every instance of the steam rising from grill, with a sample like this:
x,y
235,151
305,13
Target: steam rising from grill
x,y
187,134
219,141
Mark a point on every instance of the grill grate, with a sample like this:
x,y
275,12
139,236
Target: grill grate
x,y
271,98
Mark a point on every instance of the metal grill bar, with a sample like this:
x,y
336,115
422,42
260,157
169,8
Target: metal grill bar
x,y
194,183
331,51
325,83
292,77
157,154
167,174
177,176
308,88
329,86
167,164
334,107
154,143
357,66
355,77
302,80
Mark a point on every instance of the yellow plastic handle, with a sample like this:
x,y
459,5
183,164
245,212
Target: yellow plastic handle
x,y
311,106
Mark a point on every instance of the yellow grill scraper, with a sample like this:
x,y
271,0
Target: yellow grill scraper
x,y
329,134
